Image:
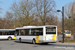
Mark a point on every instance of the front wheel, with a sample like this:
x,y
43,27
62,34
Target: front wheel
x,y
20,40
9,38
33,41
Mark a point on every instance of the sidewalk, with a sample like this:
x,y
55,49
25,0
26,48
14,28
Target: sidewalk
x,y
60,44
65,43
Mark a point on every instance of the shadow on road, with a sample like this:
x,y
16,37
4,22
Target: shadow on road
x,y
5,40
50,44
23,42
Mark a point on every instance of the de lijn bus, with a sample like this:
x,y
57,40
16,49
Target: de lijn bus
x,y
7,34
37,34
67,33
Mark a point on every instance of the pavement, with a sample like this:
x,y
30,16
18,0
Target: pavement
x,y
15,45
65,43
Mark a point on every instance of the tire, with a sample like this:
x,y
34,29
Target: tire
x,y
33,41
9,38
20,40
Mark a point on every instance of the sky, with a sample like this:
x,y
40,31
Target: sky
x,y
6,4
60,3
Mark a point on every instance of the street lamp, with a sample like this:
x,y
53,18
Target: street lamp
x,y
62,21
59,11
74,21
69,22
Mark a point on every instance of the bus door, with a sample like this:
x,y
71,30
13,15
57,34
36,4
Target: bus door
x,y
39,33
50,34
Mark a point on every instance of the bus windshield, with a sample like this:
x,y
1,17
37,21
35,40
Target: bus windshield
x,y
50,30
68,32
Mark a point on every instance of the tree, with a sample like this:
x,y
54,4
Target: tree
x,y
22,11
68,8
73,15
1,23
0,8
43,8
26,8
69,12
8,21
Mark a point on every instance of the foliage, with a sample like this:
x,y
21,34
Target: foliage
x,y
34,12
38,12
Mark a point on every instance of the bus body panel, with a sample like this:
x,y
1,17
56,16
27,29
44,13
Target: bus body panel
x,y
6,33
6,36
54,37
26,38
44,33
39,39
14,37
67,35
45,38
50,37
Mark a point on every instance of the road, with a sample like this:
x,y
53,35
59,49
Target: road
x,y
12,45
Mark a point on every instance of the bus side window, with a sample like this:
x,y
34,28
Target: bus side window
x,y
41,33
15,34
0,33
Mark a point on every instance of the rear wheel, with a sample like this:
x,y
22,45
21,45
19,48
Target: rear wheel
x,y
33,41
20,40
9,38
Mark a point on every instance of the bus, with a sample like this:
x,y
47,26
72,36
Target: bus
x,y
67,33
37,34
7,34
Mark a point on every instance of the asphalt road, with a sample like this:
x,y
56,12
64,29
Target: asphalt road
x,y
12,45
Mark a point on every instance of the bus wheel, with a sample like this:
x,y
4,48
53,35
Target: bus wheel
x,y
33,41
9,38
20,40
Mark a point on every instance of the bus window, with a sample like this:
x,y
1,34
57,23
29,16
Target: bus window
x,y
17,32
26,31
0,33
8,33
51,30
38,31
22,32
3,33
68,32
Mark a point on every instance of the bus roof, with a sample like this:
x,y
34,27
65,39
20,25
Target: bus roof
x,y
28,27
6,30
